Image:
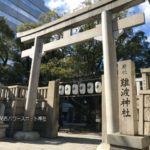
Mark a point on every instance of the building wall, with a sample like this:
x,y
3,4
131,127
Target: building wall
x,y
20,11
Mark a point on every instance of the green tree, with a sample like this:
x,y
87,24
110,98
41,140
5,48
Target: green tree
x,y
12,68
7,42
134,46
49,17
85,60
27,26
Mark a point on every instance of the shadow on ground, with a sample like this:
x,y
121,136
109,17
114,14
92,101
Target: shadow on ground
x,y
59,140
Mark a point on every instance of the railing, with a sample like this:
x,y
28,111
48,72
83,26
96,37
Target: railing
x,y
20,92
42,93
4,92
138,85
17,91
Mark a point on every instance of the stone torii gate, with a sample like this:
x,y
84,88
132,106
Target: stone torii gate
x,y
101,10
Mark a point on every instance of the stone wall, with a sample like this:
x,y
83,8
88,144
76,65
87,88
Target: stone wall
x,y
14,98
144,103
144,113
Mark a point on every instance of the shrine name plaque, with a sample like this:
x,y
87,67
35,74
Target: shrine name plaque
x,y
127,98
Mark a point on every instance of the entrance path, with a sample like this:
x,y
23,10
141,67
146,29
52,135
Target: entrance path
x,y
65,141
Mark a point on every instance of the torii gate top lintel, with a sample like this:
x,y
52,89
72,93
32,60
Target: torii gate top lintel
x,y
80,16
66,23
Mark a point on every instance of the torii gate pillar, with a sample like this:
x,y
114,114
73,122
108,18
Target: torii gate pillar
x,y
28,133
33,84
110,78
110,74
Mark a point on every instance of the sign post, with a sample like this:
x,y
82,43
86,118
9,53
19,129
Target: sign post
x,y
127,98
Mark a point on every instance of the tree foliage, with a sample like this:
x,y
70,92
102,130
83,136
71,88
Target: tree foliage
x,y
6,42
49,17
12,68
27,26
83,60
134,46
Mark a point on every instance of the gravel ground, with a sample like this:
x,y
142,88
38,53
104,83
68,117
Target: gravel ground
x,y
65,141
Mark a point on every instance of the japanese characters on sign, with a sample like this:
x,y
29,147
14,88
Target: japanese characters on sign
x,y
125,93
127,98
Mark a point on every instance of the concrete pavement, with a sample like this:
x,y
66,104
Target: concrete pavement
x,y
65,141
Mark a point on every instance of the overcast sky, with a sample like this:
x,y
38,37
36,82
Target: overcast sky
x,y
69,5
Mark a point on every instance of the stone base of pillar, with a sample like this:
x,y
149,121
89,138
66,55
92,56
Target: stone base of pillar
x,y
126,142
103,146
3,130
126,148
27,136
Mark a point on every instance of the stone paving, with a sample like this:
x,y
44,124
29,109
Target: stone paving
x,y
65,141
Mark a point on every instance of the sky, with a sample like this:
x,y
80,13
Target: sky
x,y
66,6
